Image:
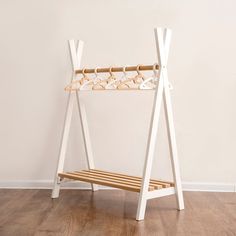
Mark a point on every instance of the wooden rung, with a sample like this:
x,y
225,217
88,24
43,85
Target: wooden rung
x,y
117,176
105,178
115,180
152,181
100,182
114,177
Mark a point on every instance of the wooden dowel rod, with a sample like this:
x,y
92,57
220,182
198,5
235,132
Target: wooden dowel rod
x,y
117,69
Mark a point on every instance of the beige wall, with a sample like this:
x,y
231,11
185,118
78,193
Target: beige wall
x,y
35,67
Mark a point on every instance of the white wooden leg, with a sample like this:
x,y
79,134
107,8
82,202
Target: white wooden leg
x,y
162,43
173,146
65,135
170,126
153,127
150,151
76,54
86,136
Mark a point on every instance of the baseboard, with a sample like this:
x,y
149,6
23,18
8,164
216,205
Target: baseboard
x,y
44,184
209,187
47,184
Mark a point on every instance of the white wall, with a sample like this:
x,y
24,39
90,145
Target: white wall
x,y
35,67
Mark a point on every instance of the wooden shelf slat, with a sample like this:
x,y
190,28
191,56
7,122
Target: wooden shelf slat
x,y
104,178
100,182
165,184
126,182
118,178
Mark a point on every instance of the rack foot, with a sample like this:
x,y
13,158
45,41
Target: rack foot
x,y
141,209
55,191
56,188
94,187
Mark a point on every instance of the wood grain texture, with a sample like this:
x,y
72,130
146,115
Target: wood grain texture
x,y
125,182
112,212
117,69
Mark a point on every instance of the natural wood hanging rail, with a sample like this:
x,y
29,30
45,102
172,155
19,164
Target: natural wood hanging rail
x,y
116,69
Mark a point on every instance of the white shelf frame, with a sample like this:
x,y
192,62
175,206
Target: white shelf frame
x,y
162,94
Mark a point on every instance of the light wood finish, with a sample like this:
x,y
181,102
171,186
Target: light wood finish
x,y
116,69
126,182
112,213
117,177
106,182
164,183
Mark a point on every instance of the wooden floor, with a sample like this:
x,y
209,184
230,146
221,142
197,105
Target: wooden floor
x,y
112,212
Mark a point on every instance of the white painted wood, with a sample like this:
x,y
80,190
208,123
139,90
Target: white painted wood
x,y
76,59
75,53
172,143
86,136
166,41
63,146
162,92
170,125
152,130
150,150
161,193
162,45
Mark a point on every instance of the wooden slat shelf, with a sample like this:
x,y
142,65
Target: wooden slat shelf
x,y
126,182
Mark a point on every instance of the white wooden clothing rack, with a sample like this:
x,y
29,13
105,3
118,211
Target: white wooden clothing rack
x,y
146,187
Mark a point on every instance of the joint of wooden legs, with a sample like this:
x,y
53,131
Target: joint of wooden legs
x,y
59,179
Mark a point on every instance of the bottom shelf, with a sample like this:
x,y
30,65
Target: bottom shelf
x,y
110,179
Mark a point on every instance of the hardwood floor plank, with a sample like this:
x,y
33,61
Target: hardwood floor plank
x,y
112,213
70,215
12,201
30,211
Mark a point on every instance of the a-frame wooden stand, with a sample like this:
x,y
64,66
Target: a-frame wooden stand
x,y
147,188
